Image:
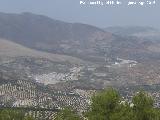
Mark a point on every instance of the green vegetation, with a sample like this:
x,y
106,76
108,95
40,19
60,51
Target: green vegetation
x,y
106,105
8,114
67,114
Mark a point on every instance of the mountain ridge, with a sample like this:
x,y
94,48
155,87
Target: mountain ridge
x,y
10,49
74,39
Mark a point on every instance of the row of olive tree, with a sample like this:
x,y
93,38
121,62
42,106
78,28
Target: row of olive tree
x,y
108,105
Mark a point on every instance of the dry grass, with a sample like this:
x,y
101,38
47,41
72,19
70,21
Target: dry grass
x,y
10,49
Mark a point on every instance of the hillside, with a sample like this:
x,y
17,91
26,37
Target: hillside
x,y
46,34
80,40
129,30
66,62
39,36
10,49
142,32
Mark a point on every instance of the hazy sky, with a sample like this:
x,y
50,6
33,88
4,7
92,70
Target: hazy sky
x,y
72,11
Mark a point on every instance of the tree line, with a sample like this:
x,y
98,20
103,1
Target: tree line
x,y
105,105
109,105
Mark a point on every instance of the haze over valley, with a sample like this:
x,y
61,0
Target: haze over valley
x,y
50,63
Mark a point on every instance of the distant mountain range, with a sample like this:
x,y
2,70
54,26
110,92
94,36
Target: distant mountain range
x,y
75,39
43,33
69,56
148,33
48,60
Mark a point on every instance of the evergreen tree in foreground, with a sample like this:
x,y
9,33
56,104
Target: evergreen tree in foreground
x,y
108,105
67,114
8,114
